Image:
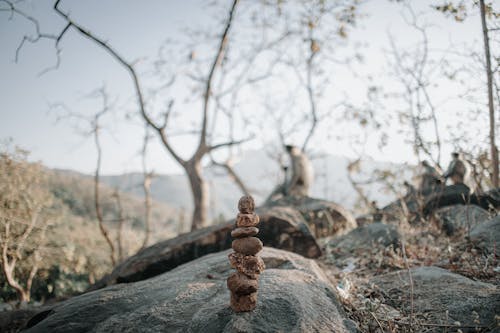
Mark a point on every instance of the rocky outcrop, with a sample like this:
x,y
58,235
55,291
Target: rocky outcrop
x,y
459,218
442,297
295,296
324,218
409,206
364,238
280,227
459,194
486,236
422,206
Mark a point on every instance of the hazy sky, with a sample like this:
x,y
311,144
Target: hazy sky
x,y
137,29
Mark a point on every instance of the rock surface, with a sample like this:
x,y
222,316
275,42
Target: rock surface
x,y
410,204
294,296
440,296
486,236
457,218
280,227
365,238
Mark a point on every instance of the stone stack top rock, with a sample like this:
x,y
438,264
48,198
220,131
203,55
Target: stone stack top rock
x,y
246,205
244,283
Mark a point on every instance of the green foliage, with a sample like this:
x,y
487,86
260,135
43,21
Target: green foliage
x,y
24,218
73,253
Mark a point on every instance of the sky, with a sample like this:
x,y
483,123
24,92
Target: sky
x,y
138,30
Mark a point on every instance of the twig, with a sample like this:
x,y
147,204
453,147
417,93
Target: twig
x,y
403,249
378,322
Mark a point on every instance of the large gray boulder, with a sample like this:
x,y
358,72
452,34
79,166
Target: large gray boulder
x,y
409,206
459,194
324,218
441,297
280,227
294,296
486,236
460,218
364,238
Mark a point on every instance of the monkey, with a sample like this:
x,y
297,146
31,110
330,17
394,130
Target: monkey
x,y
280,190
430,179
302,173
456,170
410,189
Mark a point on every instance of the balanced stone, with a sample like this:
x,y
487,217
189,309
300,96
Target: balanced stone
x,y
244,232
241,284
247,220
244,283
246,205
251,266
248,245
242,303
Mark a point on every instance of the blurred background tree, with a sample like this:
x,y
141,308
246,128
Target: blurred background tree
x,y
25,216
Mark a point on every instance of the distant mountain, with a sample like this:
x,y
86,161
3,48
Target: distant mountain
x,y
261,174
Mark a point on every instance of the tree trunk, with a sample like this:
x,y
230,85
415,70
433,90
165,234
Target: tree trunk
x,y
121,220
100,219
491,107
200,194
147,208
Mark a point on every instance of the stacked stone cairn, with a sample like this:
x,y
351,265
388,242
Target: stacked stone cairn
x,y
244,283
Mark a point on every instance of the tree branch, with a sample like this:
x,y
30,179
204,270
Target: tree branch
x,y
229,143
130,69
208,87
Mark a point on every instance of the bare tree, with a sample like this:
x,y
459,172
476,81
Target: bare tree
x,y
491,104
24,219
95,124
120,220
146,186
459,11
316,32
192,165
352,168
415,72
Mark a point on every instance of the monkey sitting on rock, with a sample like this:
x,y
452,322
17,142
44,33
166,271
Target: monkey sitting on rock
x,y
302,173
299,183
456,170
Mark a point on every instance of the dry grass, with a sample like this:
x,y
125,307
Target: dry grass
x,y
424,246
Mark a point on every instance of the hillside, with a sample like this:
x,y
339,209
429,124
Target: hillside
x,y
261,174
75,253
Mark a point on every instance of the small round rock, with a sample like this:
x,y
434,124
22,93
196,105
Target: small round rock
x,y
248,245
246,205
251,266
243,303
241,284
247,220
244,232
